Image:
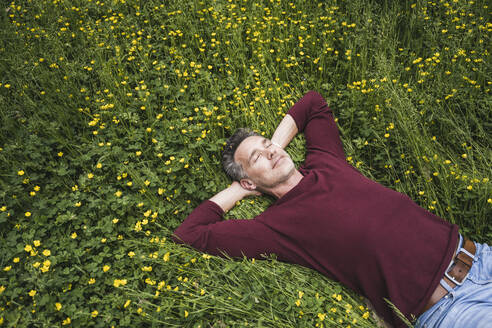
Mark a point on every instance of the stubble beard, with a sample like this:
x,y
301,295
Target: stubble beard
x,y
263,186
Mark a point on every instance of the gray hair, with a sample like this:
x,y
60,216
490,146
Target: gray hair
x,y
233,169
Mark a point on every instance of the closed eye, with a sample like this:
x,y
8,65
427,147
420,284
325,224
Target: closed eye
x,y
259,152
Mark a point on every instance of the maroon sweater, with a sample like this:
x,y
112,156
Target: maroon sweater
x,y
372,239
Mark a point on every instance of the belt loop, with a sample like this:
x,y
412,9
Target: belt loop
x,y
460,244
446,286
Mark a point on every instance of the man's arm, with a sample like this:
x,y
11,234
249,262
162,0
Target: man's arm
x,y
205,230
286,130
314,118
212,210
228,197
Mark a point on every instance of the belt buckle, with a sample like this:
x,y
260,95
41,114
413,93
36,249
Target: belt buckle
x,y
456,281
453,279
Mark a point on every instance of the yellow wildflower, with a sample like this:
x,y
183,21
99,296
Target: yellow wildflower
x,y
119,282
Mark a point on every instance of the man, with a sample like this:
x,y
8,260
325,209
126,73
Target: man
x,y
331,218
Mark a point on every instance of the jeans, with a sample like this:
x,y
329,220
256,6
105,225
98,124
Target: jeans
x,y
468,305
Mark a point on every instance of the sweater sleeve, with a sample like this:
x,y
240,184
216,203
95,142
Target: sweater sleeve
x,y
313,117
205,231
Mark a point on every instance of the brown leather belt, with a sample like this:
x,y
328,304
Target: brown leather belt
x,y
457,272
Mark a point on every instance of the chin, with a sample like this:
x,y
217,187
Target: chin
x,y
287,172
277,179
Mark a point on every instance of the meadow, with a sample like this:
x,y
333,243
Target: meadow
x,y
114,114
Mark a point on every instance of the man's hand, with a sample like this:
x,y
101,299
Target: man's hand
x,y
246,192
228,197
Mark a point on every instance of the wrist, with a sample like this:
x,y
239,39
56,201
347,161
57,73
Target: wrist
x,y
238,190
276,144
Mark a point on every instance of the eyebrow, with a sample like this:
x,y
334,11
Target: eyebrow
x,y
264,141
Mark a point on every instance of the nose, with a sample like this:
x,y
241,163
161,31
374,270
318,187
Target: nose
x,y
269,153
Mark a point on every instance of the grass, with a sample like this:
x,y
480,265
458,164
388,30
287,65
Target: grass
x,y
113,118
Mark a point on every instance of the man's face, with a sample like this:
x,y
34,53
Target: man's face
x,y
266,164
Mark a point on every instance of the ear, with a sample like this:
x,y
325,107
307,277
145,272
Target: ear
x,y
247,184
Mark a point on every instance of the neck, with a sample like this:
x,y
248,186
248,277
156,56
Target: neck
x,y
280,190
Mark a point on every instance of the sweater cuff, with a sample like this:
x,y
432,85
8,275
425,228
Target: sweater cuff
x,y
213,206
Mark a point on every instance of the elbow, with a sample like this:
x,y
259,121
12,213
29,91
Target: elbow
x,y
181,235
177,238
191,237
313,95
315,99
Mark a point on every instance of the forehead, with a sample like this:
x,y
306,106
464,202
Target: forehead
x,y
246,147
